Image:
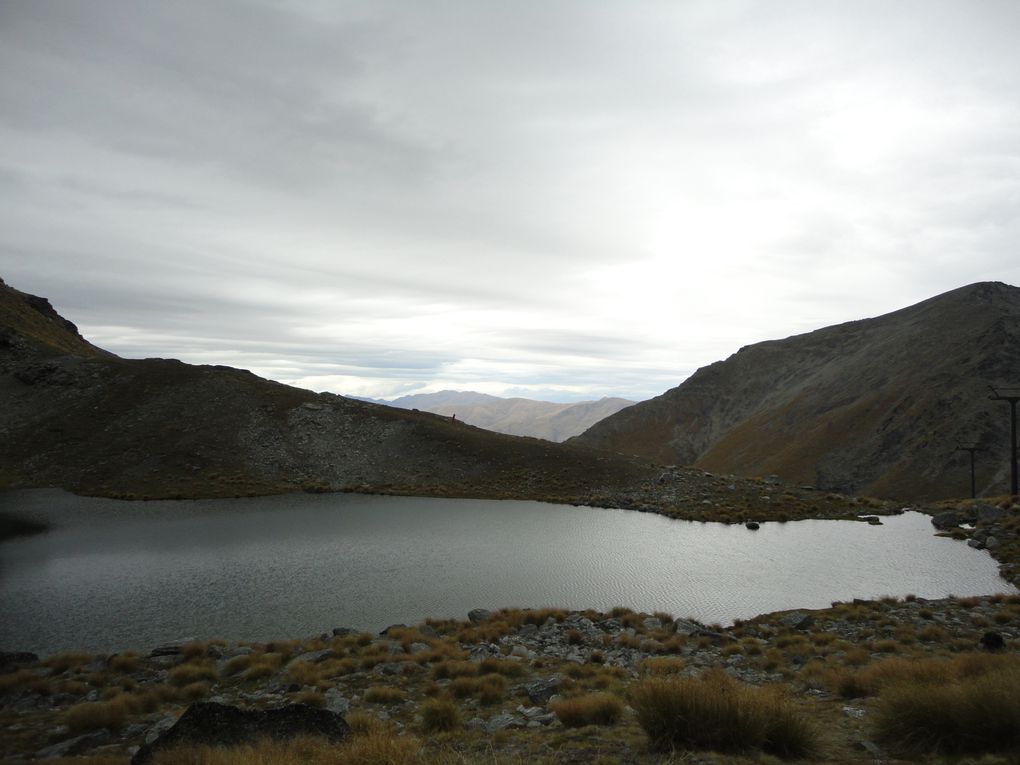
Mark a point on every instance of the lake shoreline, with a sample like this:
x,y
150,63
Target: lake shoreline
x,y
113,576
823,658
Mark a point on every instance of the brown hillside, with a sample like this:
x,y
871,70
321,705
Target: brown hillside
x,y
874,406
77,417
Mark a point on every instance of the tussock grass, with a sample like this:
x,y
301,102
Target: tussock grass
x,y
303,673
195,691
94,715
363,723
124,662
311,698
377,748
439,715
503,667
237,664
592,709
186,674
667,665
714,712
871,679
453,669
966,715
196,649
62,662
383,694
25,679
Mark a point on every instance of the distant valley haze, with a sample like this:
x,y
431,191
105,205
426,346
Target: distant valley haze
x,y
561,202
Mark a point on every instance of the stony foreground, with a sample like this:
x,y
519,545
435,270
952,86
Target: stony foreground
x,y
518,686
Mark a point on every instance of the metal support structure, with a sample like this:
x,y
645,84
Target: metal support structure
x,y
1012,395
972,450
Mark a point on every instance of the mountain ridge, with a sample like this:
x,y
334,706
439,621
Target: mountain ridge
x,y
80,418
849,407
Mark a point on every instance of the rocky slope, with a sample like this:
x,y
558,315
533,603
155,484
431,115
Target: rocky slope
x,y
508,678
80,418
873,407
515,416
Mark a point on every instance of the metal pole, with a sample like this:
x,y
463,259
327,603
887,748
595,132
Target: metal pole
x,y
998,395
1012,443
971,450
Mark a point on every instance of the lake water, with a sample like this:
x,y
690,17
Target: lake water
x,y
116,575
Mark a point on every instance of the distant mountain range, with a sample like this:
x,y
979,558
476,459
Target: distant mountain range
x,y
514,416
874,407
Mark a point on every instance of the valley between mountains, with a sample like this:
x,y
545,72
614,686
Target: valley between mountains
x,y
852,422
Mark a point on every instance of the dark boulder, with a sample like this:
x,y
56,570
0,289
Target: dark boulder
x,y
947,520
212,724
992,641
479,615
11,660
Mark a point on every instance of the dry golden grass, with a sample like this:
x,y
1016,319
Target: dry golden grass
x,y
714,712
94,715
504,667
592,709
383,694
363,723
965,714
303,673
377,748
196,649
62,662
452,669
195,691
918,672
666,665
186,674
237,664
439,715
124,662
25,679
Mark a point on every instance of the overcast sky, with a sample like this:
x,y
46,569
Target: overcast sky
x,y
555,199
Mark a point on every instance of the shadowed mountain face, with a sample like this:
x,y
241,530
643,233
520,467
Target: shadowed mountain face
x,y
80,418
515,416
873,407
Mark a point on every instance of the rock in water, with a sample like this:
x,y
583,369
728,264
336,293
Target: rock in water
x,y
211,724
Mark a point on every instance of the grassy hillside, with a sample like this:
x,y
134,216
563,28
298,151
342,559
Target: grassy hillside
x,y
874,406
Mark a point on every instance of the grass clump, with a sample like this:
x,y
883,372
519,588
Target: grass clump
x,y
439,715
94,715
666,665
714,712
62,662
974,712
383,694
186,674
592,709
377,748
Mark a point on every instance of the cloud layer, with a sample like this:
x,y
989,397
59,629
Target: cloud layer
x,y
562,200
